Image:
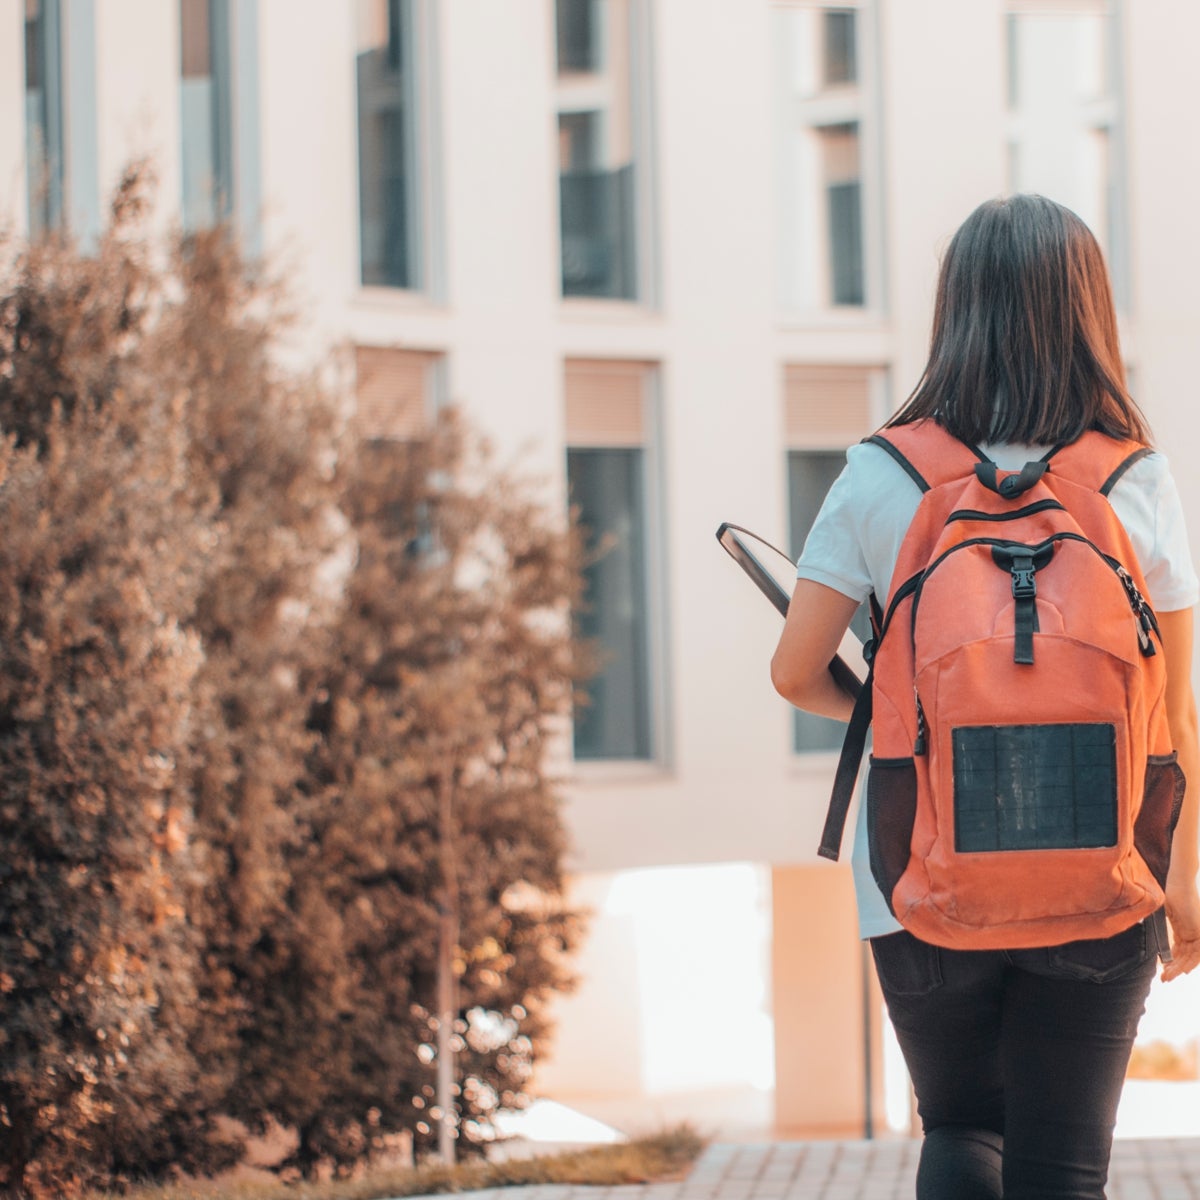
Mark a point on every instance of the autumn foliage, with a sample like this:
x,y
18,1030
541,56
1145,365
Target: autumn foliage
x,y
276,703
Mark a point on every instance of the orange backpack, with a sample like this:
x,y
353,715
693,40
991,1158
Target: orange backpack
x,y
1022,787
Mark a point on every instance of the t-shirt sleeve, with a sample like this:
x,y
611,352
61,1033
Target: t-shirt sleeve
x,y
832,552
1147,501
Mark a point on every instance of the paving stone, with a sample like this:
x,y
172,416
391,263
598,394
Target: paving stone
x,y
884,1170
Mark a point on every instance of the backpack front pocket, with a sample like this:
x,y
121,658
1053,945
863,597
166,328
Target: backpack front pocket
x,y
1029,785
1034,787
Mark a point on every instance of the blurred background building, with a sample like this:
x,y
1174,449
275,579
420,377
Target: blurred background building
x,y
673,255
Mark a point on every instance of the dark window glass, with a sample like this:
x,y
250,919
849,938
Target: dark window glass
x,y
598,218
597,214
386,147
206,95
578,36
810,476
841,50
843,195
44,143
608,486
35,40
845,242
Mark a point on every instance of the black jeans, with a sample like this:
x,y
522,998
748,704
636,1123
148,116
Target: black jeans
x,y
1017,1058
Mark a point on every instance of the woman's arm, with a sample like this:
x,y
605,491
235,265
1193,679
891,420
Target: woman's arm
x,y
1183,901
818,616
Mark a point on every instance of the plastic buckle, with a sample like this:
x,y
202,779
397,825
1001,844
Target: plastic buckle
x,y
1024,585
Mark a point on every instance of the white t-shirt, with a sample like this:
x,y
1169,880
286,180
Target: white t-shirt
x,y
855,541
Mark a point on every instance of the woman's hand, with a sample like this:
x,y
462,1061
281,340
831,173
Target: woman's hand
x,y
1183,913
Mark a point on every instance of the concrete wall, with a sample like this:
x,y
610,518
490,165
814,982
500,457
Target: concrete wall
x,y
828,1036
727,789
12,115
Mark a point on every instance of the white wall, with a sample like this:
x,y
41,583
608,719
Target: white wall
x,y
729,789
675,997
1163,172
13,211
137,96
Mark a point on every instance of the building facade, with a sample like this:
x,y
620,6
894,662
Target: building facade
x,y
673,256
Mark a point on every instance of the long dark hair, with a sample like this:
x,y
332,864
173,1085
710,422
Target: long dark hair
x,y
1024,346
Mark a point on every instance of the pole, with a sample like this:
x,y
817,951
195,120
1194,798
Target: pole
x,y
868,1068
447,941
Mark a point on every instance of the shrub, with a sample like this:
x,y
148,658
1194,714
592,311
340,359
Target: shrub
x,y
275,711
453,657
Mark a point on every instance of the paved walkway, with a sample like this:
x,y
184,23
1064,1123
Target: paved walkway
x,y
1162,1169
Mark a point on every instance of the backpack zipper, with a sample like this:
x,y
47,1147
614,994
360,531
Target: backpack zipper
x,y
974,514
1137,602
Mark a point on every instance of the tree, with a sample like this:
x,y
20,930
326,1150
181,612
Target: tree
x,y
454,661
100,564
168,479
264,445
242,788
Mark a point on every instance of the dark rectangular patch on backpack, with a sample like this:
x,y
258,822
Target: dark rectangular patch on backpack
x,y
1034,787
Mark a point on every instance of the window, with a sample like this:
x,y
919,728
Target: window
x,y
578,27
824,99
841,46
389,196
398,394
610,481
826,409
218,93
1064,118
207,124
398,391
602,148
43,114
60,117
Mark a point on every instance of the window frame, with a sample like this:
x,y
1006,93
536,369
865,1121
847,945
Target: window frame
x,y
69,117
45,196
792,112
432,364
427,159
575,92
824,437
659,759
233,153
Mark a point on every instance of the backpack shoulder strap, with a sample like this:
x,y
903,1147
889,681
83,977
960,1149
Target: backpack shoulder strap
x,y
1096,461
929,454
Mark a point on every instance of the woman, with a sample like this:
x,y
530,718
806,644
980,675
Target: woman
x,y
1017,1057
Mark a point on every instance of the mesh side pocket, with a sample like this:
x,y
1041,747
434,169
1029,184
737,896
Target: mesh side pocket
x,y
1034,787
891,811
1155,824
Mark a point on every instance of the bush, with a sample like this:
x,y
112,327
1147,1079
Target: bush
x,y
100,570
431,724
274,717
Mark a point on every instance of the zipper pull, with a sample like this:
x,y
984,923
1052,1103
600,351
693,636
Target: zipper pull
x,y
1145,641
919,746
1141,610
1131,589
